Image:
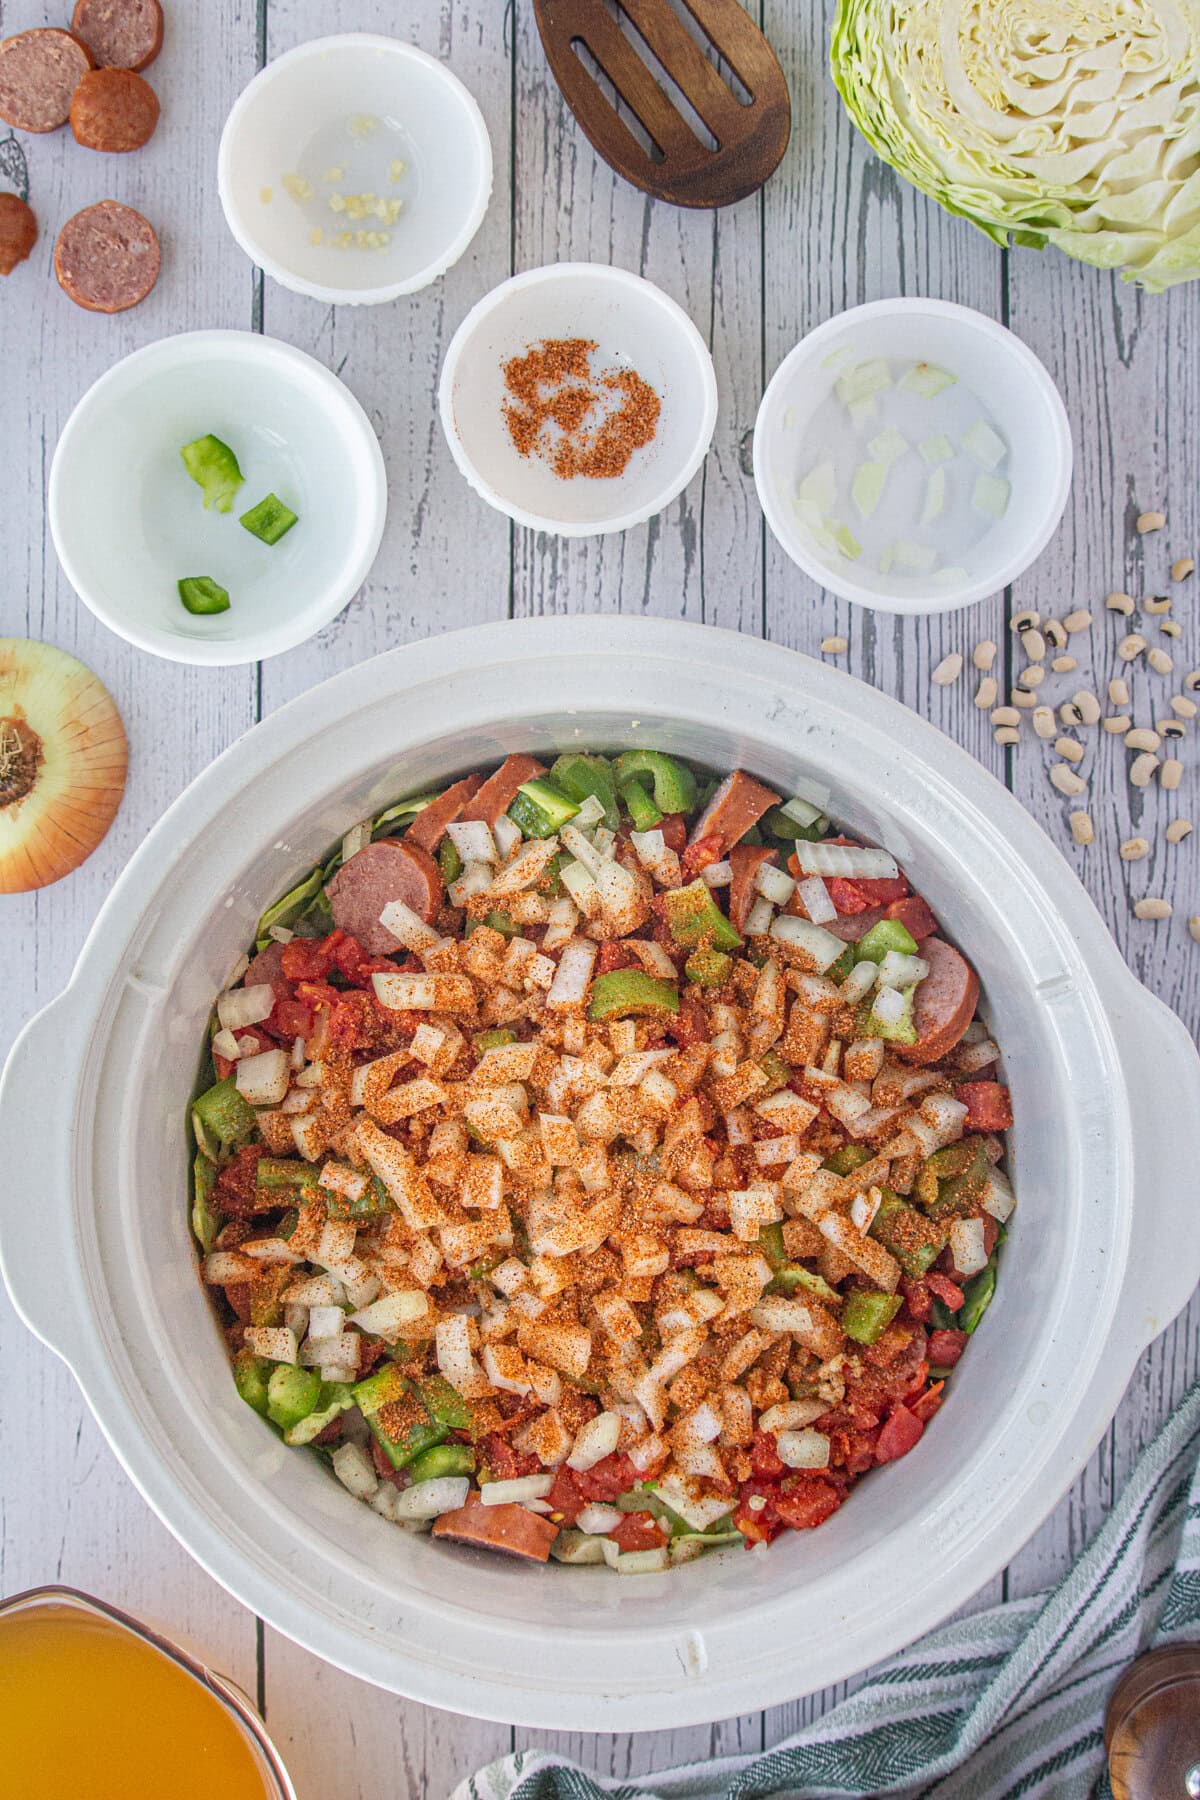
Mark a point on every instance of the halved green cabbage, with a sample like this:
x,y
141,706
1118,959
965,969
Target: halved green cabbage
x,y
1066,122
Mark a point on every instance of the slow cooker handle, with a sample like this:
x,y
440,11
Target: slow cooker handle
x,y
38,1255
1162,1076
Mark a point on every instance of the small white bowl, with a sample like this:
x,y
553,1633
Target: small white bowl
x,y
1010,384
128,521
634,326
358,104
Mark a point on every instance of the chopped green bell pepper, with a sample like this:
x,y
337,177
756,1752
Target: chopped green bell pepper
x,y
503,923
848,1158
201,594
269,520
206,1221
887,935
373,1203
795,1275
291,1394
777,824
867,1315
266,1295
674,784
220,1116
580,775
251,1376
977,1297
495,1039
775,1069
695,918
708,968
541,809
914,1241
899,1031
334,1398
961,1191
642,811
940,1317
445,1405
450,863
623,993
838,970
384,1388
442,1460
283,1172
286,911
770,1242
214,468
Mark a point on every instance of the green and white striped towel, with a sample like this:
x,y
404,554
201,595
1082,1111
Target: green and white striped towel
x,y
1009,1702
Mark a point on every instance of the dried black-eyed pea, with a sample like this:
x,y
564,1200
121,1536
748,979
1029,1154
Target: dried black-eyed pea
x,y
1183,708
1055,632
1069,749
1025,621
1143,768
1117,722
1152,908
948,670
1064,778
1171,628
1044,722
1120,603
1159,661
1062,665
1178,829
1034,645
986,693
1157,603
1191,681
1031,677
1171,774
1134,849
1079,620
1194,928
1170,728
1131,646
1022,697
1142,739
1006,715
1006,735
1150,521
1118,691
836,646
1185,566
984,655
1081,828
1088,706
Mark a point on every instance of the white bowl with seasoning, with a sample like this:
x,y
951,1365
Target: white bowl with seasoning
x,y
912,455
355,169
634,337
129,523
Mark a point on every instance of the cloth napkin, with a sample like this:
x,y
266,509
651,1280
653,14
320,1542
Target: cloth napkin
x,y
1007,1703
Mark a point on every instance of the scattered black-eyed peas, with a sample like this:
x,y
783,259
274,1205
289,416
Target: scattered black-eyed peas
x,y
1131,647
1184,567
1179,829
1006,715
1157,603
1150,521
1022,697
1006,736
1062,665
1079,620
1031,677
1191,681
1194,927
1034,645
948,670
1183,708
1171,728
1160,662
1133,849
834,646
1171,628
1142,739
1152,908
1044,722
1055,632
1064,778
1117,722
984,655
1081,828
1086,706
1118,691
1025,621
986,693
1068,749
1143,768
1171,774
1120,603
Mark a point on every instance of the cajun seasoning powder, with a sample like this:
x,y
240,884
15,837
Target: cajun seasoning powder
x,y
575,421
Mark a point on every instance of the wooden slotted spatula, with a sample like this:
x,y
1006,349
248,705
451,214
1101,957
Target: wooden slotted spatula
x,y
750,139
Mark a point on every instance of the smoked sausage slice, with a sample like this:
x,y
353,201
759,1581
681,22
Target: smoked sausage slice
x,y
850,927
500,790
113,110
121,34
107,257
738,803
945,1003
39,72
18,232
393,869
511,1528
429,827
747,860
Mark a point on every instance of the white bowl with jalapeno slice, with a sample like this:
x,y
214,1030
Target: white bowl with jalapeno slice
x,y
217,497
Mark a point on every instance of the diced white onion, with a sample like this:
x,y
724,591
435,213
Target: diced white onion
x,y
591,811
774,884
997,1198
386,1317
574,971
595,1439
966,1246
814,897
803,1449
807,805
282,934
859,981
356,839
407,927
643,1562
792,1415
474,841
429,1499
889,1006
226,1045
275,1342
900,971
507,835
476,878
717,875
262,1080
850,861
240,1007
326,1321
354,1470
516,1493
819,945
598,1521
758,919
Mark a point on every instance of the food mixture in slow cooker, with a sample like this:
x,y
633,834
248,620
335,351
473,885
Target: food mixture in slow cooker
x,y
601,1162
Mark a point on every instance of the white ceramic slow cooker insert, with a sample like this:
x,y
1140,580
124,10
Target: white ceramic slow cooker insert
x,y
1106,1088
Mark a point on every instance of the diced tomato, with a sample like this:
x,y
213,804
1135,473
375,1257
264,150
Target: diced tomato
x,y
566,1497
699,855
235,1187
240,1296
614,1476
384,1469
764,1457
638,1531
947,1291
615,955
945,1348
291,1019
806,1501
505,1463
306,959
690,1024
929,1402
918,1300
844,894
758,1524
902,1429
915,916
674,830
883,892
988,1104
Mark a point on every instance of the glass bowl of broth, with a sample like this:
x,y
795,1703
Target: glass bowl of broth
x,y
145,1718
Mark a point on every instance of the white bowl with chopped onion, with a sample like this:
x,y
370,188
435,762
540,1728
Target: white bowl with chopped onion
x,y
912,455
1105,1248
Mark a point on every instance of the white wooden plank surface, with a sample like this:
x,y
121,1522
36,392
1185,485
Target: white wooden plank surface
x,y
833,228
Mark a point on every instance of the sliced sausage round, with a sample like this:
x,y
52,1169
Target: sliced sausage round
x,y
500,790
429,827
121,34
738,804
747,860
18,232
377,874
851,927
39,72
113,110
107,257
513,1529
267,966
945,1003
